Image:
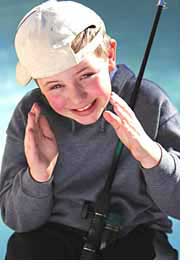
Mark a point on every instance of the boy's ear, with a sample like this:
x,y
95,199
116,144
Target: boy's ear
x,y
112,55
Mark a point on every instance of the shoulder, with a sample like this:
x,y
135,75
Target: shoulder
x,y
25,104
19,117
151,99
29,98
153,92
149,90
155,97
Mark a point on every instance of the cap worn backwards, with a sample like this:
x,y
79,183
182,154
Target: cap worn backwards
x,y
44,36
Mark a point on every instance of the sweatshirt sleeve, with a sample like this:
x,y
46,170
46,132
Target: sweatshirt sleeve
x,y
163,180
25,203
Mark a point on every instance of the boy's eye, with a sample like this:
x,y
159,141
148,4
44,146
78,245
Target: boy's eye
x,y
56,86
86,76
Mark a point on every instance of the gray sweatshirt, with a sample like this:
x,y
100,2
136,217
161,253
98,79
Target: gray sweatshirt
x,y
139,196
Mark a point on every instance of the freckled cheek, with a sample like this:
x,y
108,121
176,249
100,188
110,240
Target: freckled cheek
x,y
57,103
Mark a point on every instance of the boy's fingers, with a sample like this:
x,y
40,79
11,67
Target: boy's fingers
x,y
32,143
117,100
30,121
31,126
113,119
123,115
45,127
36,111
33,118
32,134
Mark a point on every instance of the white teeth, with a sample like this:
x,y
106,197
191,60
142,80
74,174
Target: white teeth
x,y
84,108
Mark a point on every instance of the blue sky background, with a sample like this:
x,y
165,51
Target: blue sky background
x,y
129,22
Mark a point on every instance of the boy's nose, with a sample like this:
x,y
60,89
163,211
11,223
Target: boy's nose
x,y
77,95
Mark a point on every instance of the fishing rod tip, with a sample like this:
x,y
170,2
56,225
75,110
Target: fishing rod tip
x,y
162,3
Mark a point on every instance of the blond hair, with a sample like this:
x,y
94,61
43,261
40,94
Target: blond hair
x,y
83,38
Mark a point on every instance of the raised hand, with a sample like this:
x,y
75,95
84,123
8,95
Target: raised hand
x,y
132,134
40,145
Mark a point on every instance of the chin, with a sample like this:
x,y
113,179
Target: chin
x,y
88,120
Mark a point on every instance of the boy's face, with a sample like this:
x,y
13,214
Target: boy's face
x,y
81,92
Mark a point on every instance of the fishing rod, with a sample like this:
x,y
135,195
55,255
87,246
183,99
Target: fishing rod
x,y
100,210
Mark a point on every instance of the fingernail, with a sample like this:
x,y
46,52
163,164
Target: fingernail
x,y
36,105
114,97
113,94
33,106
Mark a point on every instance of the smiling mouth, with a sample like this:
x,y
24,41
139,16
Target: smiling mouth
x,y
85,108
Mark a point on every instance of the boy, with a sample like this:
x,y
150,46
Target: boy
x,y
62,136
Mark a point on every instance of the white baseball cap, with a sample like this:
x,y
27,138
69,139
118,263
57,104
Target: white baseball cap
x,y
44,36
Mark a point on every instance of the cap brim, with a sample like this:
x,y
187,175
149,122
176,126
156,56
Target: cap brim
x,y
22,76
